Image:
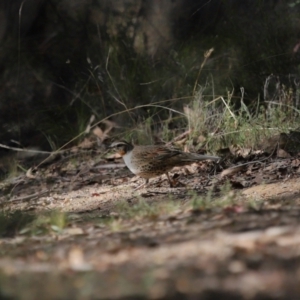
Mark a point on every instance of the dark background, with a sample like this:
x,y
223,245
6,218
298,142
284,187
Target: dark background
x,y
63,60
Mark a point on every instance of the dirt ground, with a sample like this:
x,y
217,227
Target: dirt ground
x,y
200,240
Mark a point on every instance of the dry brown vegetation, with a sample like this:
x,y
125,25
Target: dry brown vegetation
x,y
77,229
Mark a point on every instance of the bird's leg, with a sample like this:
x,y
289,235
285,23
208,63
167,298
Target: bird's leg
x,y
175,182
170,181
140,186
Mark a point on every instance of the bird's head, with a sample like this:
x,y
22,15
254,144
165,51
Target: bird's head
x,y
121,147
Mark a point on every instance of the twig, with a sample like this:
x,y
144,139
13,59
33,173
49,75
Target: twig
x,y
24,150
179,137
239,167
207,54
228,108
114,85
108,166
119,113
29,197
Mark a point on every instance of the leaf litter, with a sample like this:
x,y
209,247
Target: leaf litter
x,y
200,239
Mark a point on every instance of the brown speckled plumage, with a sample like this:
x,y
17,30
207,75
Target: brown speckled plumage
x,y
151,161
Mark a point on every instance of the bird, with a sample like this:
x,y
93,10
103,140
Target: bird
x,y
154,160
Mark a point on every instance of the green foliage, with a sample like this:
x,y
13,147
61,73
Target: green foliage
x,y
223,123
225,198
45,223
294,3
12,223
144,209
251,40
132,88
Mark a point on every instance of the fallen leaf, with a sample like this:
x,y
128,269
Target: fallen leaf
x,y
283,154
231,171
